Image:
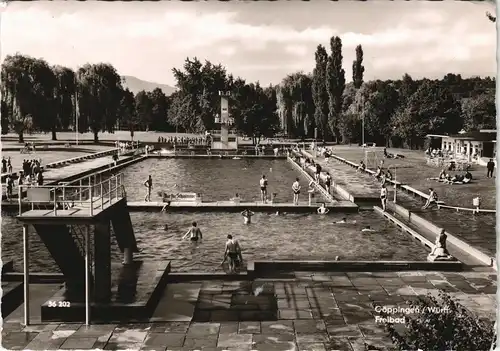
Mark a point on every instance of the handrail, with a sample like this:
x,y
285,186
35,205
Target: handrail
x,y
476,210
68,196
98,154
317,186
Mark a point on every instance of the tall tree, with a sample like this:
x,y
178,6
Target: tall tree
x,y
349,124
4,115
376,103
479,112
357,68
159,110
199,85
65,96
431,109
43,101
17,92
99,95
127,112
335,84
296,105
320,93
144,109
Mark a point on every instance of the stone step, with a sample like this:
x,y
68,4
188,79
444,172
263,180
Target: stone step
x,y
177,303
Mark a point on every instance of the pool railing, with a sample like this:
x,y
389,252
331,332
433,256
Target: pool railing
x,y
91,193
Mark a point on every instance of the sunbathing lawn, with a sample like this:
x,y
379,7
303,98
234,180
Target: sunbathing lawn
x,y
415,172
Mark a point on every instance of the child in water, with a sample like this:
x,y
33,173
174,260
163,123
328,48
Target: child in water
x,y
247,216
322,210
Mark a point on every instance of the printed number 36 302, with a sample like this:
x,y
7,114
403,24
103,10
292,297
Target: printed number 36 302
x,y
59,304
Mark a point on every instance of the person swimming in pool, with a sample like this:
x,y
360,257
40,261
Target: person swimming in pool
x,y
194,232
247,216
322,210
233,251
344,221
367,229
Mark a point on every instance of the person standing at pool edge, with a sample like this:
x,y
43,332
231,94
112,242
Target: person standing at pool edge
x,y
263,189
148,184
296,191
431,200
194,232
328,182
383,197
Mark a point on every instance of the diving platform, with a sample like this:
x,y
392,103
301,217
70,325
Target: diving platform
x,y
75,221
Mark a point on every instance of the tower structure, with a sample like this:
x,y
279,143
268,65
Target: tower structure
x,y
224,140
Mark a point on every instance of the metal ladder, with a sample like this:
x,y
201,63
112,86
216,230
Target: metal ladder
x,y
79,238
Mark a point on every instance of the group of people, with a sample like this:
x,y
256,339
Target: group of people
x,y
446,178
31,174
184,140
232,250
6,165
127,145
382,176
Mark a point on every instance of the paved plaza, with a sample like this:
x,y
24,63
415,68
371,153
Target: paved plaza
x,y
310,311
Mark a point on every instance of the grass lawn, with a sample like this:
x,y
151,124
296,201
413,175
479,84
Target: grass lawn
x,y
124,135
414,171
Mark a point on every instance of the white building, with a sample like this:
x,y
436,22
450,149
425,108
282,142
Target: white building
x,y
479,146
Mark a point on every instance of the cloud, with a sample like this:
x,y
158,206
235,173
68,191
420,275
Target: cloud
x,y
148,39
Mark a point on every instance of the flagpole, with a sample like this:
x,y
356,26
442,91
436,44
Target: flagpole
x,y
76,112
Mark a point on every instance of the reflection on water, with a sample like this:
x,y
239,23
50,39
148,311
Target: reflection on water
x,y
215,179
269,237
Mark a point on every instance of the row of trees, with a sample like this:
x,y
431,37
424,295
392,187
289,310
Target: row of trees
x,y
36,96
399,112
197,101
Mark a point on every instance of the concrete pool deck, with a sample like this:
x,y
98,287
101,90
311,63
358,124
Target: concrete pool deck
x,y
141,206
313,311
303,206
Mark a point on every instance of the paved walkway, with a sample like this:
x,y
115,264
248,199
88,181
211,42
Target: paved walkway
x,y
58,174
346,177
320,311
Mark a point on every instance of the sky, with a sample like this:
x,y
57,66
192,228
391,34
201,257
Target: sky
x,y
259,41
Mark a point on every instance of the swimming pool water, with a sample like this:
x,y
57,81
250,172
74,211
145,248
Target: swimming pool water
x,y
269,237
215,179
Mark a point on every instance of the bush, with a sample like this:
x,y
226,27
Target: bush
x,y
452,328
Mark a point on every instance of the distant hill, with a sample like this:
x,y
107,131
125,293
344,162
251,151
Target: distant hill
x,y
135,85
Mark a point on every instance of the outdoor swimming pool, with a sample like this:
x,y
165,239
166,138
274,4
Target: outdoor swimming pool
x,y
477,230
215,179
269,237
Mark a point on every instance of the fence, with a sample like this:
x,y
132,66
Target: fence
x,y
90,193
